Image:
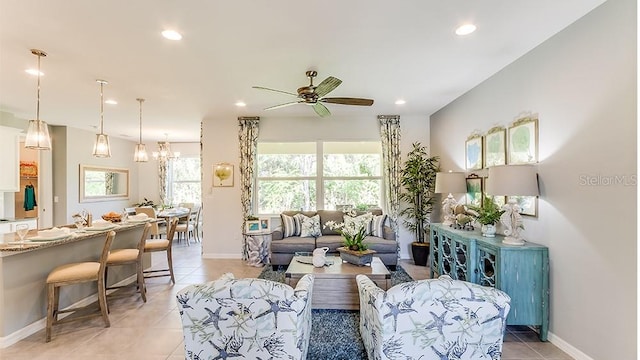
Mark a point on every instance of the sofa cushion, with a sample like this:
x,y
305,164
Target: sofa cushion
x,y
331,241
293,244
380,244
309,226
329,215
364,220
377,225
290,225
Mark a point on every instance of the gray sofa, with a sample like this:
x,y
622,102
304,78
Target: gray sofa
x,y
283,249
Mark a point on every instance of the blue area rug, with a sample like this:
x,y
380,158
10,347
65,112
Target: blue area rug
x,y
335,334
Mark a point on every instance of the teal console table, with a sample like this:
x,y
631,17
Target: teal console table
x,y
520,271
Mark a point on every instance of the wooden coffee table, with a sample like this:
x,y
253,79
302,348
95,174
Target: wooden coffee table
x,y
334,286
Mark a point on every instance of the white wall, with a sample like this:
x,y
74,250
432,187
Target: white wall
x,y
223,221
582,84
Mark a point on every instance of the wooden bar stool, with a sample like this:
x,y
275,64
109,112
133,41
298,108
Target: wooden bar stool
x,y
130,256
76,273
163,245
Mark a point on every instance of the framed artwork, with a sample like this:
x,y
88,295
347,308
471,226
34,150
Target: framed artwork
x,y
528,204
223,175
498,200
473,152
495,147
523,141
474,190
265,224
252,226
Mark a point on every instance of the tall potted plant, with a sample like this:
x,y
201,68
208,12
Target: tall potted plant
x,y
418,177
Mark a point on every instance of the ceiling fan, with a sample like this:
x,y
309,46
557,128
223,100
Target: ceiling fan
x,y
315,95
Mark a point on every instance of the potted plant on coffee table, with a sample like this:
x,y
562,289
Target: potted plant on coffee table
x,y
487,215
353,232
418,177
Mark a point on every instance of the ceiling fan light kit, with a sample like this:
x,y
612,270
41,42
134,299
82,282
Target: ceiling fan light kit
x,y
314,95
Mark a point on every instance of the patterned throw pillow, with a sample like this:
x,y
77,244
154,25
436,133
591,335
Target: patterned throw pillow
x,y
290,226
309,226
377,225
358,221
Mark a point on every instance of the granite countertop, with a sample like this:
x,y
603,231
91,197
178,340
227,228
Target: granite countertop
x,y
10,243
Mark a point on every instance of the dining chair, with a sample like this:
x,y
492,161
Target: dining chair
x,y
131,256
76,273
162,245
151,213
186,230
186,205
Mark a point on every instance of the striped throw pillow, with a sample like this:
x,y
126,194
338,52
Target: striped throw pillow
x,y
290,226
377,225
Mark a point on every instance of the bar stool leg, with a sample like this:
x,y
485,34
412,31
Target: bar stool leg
x,y
170,262
102,297
51,310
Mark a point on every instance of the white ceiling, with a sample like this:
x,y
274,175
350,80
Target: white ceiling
x,y
383,50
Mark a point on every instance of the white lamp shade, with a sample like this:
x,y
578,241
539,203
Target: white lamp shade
x,y
140,154
101,148
450,183
38,136
512,180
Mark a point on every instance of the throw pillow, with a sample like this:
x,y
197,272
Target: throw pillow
x,y
309,226
356,222
290,226
377,225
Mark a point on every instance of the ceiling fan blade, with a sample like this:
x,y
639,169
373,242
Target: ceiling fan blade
x,y
327,85
274,90
321,110
282,105
348,101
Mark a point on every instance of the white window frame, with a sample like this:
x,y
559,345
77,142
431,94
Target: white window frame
x,y
170,180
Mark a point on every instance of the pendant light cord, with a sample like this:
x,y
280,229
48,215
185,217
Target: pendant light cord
x,y
101,109
38,102
140,139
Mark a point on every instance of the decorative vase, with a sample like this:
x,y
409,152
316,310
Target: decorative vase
x,y
359,258
489,230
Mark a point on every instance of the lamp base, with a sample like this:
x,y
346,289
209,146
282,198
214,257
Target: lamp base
x,y
512,241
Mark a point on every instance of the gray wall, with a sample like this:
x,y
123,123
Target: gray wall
x,y
582,84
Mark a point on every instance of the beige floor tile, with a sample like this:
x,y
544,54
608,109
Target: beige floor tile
x,y
156,341
518,350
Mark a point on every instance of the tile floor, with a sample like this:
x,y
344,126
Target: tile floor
x,y
152,330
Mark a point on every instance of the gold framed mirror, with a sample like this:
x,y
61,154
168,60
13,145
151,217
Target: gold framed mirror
x,y
99,183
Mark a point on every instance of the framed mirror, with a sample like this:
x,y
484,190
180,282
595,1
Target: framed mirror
x,y
103,183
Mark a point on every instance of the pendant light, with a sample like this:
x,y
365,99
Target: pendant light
x,y
38,132
101,148
140,154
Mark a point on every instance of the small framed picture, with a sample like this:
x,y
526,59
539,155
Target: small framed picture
x,y
523,141
473,152
528,204
223,175
265,224
252,226
474,190
495,147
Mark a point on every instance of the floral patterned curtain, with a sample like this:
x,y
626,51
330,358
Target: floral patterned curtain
x,y
162,179
248,136
390,136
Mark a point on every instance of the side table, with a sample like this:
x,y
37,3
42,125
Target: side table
x,y
256,248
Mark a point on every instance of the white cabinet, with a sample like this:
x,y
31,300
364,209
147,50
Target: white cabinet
x,y
10,226
9,159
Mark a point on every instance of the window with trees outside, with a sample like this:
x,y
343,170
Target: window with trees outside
x,y
183,180
318,175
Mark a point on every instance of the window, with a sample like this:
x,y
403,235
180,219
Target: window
x,y
322,175
183,178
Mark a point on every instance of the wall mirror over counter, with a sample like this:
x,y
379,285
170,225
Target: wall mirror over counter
x,y
103,183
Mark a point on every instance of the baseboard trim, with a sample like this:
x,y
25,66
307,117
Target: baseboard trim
x,y
221,256
38,325
566,347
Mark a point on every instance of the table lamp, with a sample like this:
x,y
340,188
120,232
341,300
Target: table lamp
x,y
450,183
512,180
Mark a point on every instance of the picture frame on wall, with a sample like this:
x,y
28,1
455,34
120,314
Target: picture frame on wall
x,y
474,190
523,141
223,175
528,205
252,226
473,152
495,147
265,224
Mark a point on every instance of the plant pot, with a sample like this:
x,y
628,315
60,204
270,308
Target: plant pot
x,y
489,230
359,258
420,253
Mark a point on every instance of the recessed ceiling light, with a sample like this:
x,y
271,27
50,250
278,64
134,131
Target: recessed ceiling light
x,y
465,29
241,104
172,35
400,102
111,102
33,72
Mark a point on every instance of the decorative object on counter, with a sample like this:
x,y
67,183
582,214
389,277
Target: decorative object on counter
x,y
82,217
101,147
487,215
320,256
223,175
146,202
473,151
512,180
355,257
38,131
451,183
140,153
464,218
112,216
22,230
353,229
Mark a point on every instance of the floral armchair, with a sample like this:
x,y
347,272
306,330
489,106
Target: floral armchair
x,y
248,318
432,319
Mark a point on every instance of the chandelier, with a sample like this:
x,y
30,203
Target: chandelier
x,y
164,152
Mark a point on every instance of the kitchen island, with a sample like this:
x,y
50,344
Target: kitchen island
x,y
24,267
